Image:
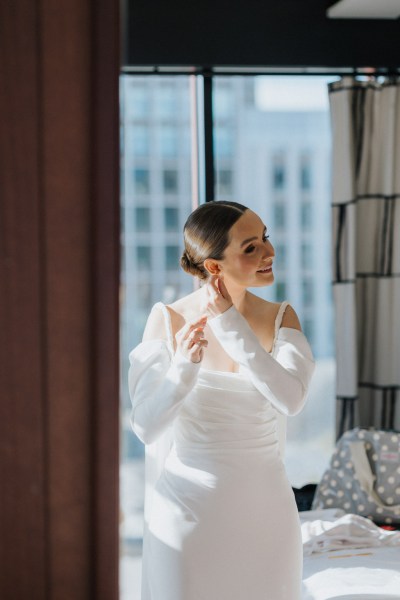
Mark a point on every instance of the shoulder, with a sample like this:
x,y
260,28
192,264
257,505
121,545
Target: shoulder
x,y
155,325
290,318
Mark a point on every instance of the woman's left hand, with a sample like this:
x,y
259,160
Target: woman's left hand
x,y
218,298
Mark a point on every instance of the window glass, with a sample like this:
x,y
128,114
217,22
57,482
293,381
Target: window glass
x,y
170,181
169,141
141,180
142,218
172,256
279,215
150,253
280,256
306,215
278,172
305,172
171,219
143,257
224,183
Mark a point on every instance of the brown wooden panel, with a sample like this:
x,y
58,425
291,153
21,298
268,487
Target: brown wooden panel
x,y
22,361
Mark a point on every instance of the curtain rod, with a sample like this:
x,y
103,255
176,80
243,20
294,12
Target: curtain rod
x,y
256,71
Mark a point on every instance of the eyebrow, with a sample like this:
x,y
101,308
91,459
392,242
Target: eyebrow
x,y
252,238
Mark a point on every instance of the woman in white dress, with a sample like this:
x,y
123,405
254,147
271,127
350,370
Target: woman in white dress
x,y
211,384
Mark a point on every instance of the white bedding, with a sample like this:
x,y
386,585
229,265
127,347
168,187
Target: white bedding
x,y
347,557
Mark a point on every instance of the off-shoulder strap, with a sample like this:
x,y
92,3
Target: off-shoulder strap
x,y
168,324
278,321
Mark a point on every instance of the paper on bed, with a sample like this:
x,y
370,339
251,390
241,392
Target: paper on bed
x,y
346,531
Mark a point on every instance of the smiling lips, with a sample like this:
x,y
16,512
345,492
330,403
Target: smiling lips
x,y
266,270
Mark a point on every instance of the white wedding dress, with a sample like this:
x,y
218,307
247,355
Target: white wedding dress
x,y
221,521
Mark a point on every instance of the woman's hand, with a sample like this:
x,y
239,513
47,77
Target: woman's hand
x,y
191,341
218,298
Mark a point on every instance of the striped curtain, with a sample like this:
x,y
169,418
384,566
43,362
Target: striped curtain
x,y
365,119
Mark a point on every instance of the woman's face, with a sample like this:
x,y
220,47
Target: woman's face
x,y
249,255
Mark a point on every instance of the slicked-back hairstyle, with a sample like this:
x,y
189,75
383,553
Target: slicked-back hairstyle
x,y
206,234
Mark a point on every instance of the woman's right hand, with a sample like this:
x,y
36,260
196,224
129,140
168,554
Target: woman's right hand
x,y
191,341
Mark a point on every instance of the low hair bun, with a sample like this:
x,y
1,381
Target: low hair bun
x,y
191,267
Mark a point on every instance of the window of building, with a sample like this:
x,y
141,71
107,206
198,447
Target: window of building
x,y
170,181
224,141
140,136
171,216
306,216
139,106
305,172
278,173
169,141
143,257
142,218
280,291
279,215
306,255
280,256
141,181
224,182
167,100
172,256
308,292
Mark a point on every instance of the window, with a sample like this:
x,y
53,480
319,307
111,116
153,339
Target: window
x,y
170,181
224,182
142,218
280,256
224,145
143,257
139,106
141,140
172,256
167,101
306,256
308,295
171,216
305,173
306,215
278,173
141,180
280,291
168,141
279,215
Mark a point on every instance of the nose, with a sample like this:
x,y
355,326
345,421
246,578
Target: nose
x,y
269,250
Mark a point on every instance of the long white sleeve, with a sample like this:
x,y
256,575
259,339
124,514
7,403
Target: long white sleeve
x,y
283,380
158,385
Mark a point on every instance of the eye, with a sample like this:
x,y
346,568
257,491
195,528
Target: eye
x,y
265,237
250,249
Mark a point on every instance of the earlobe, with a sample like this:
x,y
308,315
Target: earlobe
x,y
212,266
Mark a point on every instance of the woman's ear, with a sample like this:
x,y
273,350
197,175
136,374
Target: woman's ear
x,y
212,266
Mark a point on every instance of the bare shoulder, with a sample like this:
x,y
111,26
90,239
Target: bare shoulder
x,y
155,326
290,318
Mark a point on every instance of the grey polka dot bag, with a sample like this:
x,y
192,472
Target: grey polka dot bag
x,y
363,476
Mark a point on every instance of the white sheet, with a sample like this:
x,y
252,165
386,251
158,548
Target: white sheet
x,y
356,571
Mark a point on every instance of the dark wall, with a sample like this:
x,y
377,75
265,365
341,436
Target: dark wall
x,y
253,33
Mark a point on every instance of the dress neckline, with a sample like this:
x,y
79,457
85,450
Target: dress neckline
x,y
170,339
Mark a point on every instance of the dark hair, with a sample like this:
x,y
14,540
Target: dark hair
x,y
206,234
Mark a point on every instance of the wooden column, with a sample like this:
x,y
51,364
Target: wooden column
x,y
59,279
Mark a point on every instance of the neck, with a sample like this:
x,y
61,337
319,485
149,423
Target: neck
x,y
238,293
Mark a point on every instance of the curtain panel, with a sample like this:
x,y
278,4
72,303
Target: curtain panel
x,y
365,119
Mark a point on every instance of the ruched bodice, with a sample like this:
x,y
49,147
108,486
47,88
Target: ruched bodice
x,y
224,411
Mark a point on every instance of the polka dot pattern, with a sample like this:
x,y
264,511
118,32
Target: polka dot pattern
x,y
340,486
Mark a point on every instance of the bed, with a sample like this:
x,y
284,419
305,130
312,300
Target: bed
x,y
347,557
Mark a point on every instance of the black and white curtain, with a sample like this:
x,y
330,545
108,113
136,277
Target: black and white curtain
x,y
365,119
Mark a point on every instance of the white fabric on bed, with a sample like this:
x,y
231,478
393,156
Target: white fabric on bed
x,y
347,557
345,531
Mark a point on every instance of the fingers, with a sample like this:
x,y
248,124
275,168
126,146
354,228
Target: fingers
x,y
190,339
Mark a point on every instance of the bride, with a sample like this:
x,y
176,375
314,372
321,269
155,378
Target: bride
x,y
212,381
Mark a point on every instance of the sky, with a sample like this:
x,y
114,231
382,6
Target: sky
x,y
296,92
